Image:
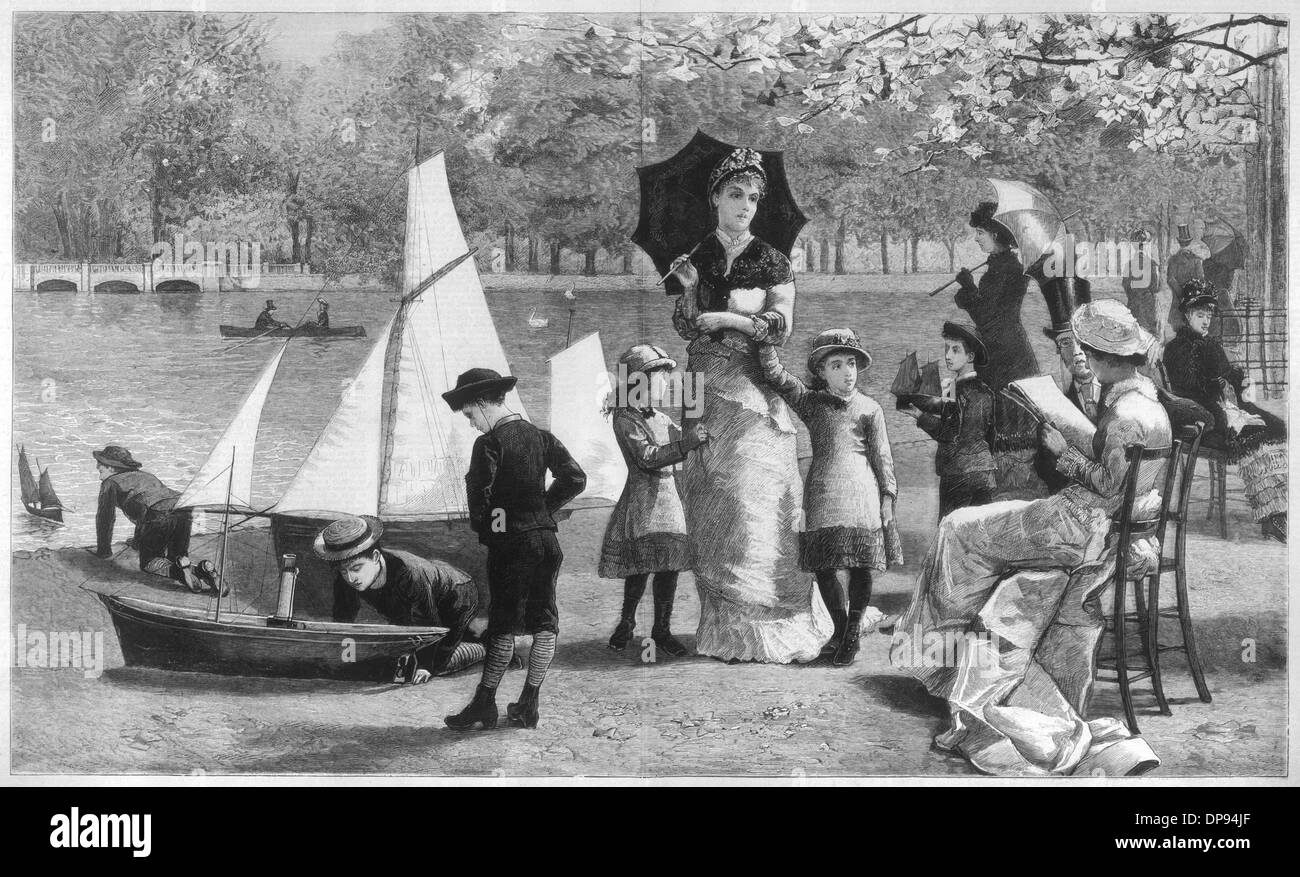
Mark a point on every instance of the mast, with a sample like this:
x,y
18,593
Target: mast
x,y
225,535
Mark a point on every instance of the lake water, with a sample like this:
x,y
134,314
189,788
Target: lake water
x,y
150,371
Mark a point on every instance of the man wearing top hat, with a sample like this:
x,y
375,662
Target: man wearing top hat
x,y
513,512
1188,263
1142,296
162,532
266,321
405,589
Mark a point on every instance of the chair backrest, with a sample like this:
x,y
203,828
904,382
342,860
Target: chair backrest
x,y
1179,477
1122,522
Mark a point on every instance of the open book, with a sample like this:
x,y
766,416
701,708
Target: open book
x,y
1041,397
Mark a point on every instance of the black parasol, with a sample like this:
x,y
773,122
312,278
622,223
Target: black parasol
x,y
675,210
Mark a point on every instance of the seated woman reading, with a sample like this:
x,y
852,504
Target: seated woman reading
x,y
1019,583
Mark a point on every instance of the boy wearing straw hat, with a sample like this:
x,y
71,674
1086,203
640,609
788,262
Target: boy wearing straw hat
x,y
513,512
405,589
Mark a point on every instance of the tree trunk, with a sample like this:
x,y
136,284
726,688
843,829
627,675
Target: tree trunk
x,y
534,267
884,251
60,208
555,258
824,257
291,216
510,246
87,237
951,245
839,248
309,226
916,245
627,261
905,262
589,263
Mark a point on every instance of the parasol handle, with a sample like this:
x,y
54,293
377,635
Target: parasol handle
x,y
674,270
954,280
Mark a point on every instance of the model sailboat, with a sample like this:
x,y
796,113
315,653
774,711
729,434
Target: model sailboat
x,y
39,498
391,449
580,388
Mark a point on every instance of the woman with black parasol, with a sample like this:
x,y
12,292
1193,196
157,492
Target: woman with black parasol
x,y
743,492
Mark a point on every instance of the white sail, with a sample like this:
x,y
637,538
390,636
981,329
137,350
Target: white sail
x,y
235,447
580,386
341,473
444,331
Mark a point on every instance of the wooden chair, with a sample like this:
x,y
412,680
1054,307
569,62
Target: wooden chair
x,y
1216,460
1131,666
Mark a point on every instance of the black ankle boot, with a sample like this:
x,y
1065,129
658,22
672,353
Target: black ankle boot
x,y
524,712
661,633
848,650
482,709
623,633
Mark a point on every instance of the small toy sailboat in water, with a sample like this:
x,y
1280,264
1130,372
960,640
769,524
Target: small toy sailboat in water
x,y
39,497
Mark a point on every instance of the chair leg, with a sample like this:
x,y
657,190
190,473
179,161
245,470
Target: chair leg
x,y
1223,499
1214,489
1189,639
1152,640
1121,657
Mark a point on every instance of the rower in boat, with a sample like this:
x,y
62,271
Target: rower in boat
x,y
162,531
266,321
406,590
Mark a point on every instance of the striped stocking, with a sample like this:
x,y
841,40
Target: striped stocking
x,y
466,655
501,648
540,655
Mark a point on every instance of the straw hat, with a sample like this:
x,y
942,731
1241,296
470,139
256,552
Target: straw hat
x,y
348,537
1110,327
647,358
833,340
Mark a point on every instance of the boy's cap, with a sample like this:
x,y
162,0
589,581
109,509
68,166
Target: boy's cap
x,y
968,334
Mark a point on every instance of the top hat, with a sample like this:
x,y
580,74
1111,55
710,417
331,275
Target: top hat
x,y
476,384
116,456
270,305
1184,235
982,217
974,343
1063,295
647,358
1110,327
348,537
1198,294
832,340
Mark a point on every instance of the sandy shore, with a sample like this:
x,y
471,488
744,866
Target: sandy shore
x,y
607,713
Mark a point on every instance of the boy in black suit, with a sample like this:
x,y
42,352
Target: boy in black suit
x,y
512,511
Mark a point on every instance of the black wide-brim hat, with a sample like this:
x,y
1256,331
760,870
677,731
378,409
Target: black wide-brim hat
x,y
347,538
968,334
1198,294
476,384
118,457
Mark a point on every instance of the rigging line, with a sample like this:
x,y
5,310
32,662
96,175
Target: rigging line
x,y
438,440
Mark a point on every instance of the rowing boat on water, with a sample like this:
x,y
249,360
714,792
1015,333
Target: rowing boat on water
x,y
299,332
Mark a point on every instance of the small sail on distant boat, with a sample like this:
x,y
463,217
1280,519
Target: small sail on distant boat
x,y
39,498
391,449
580,389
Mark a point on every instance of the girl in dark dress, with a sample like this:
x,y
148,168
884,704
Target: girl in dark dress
x,y
1199,369
994,305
